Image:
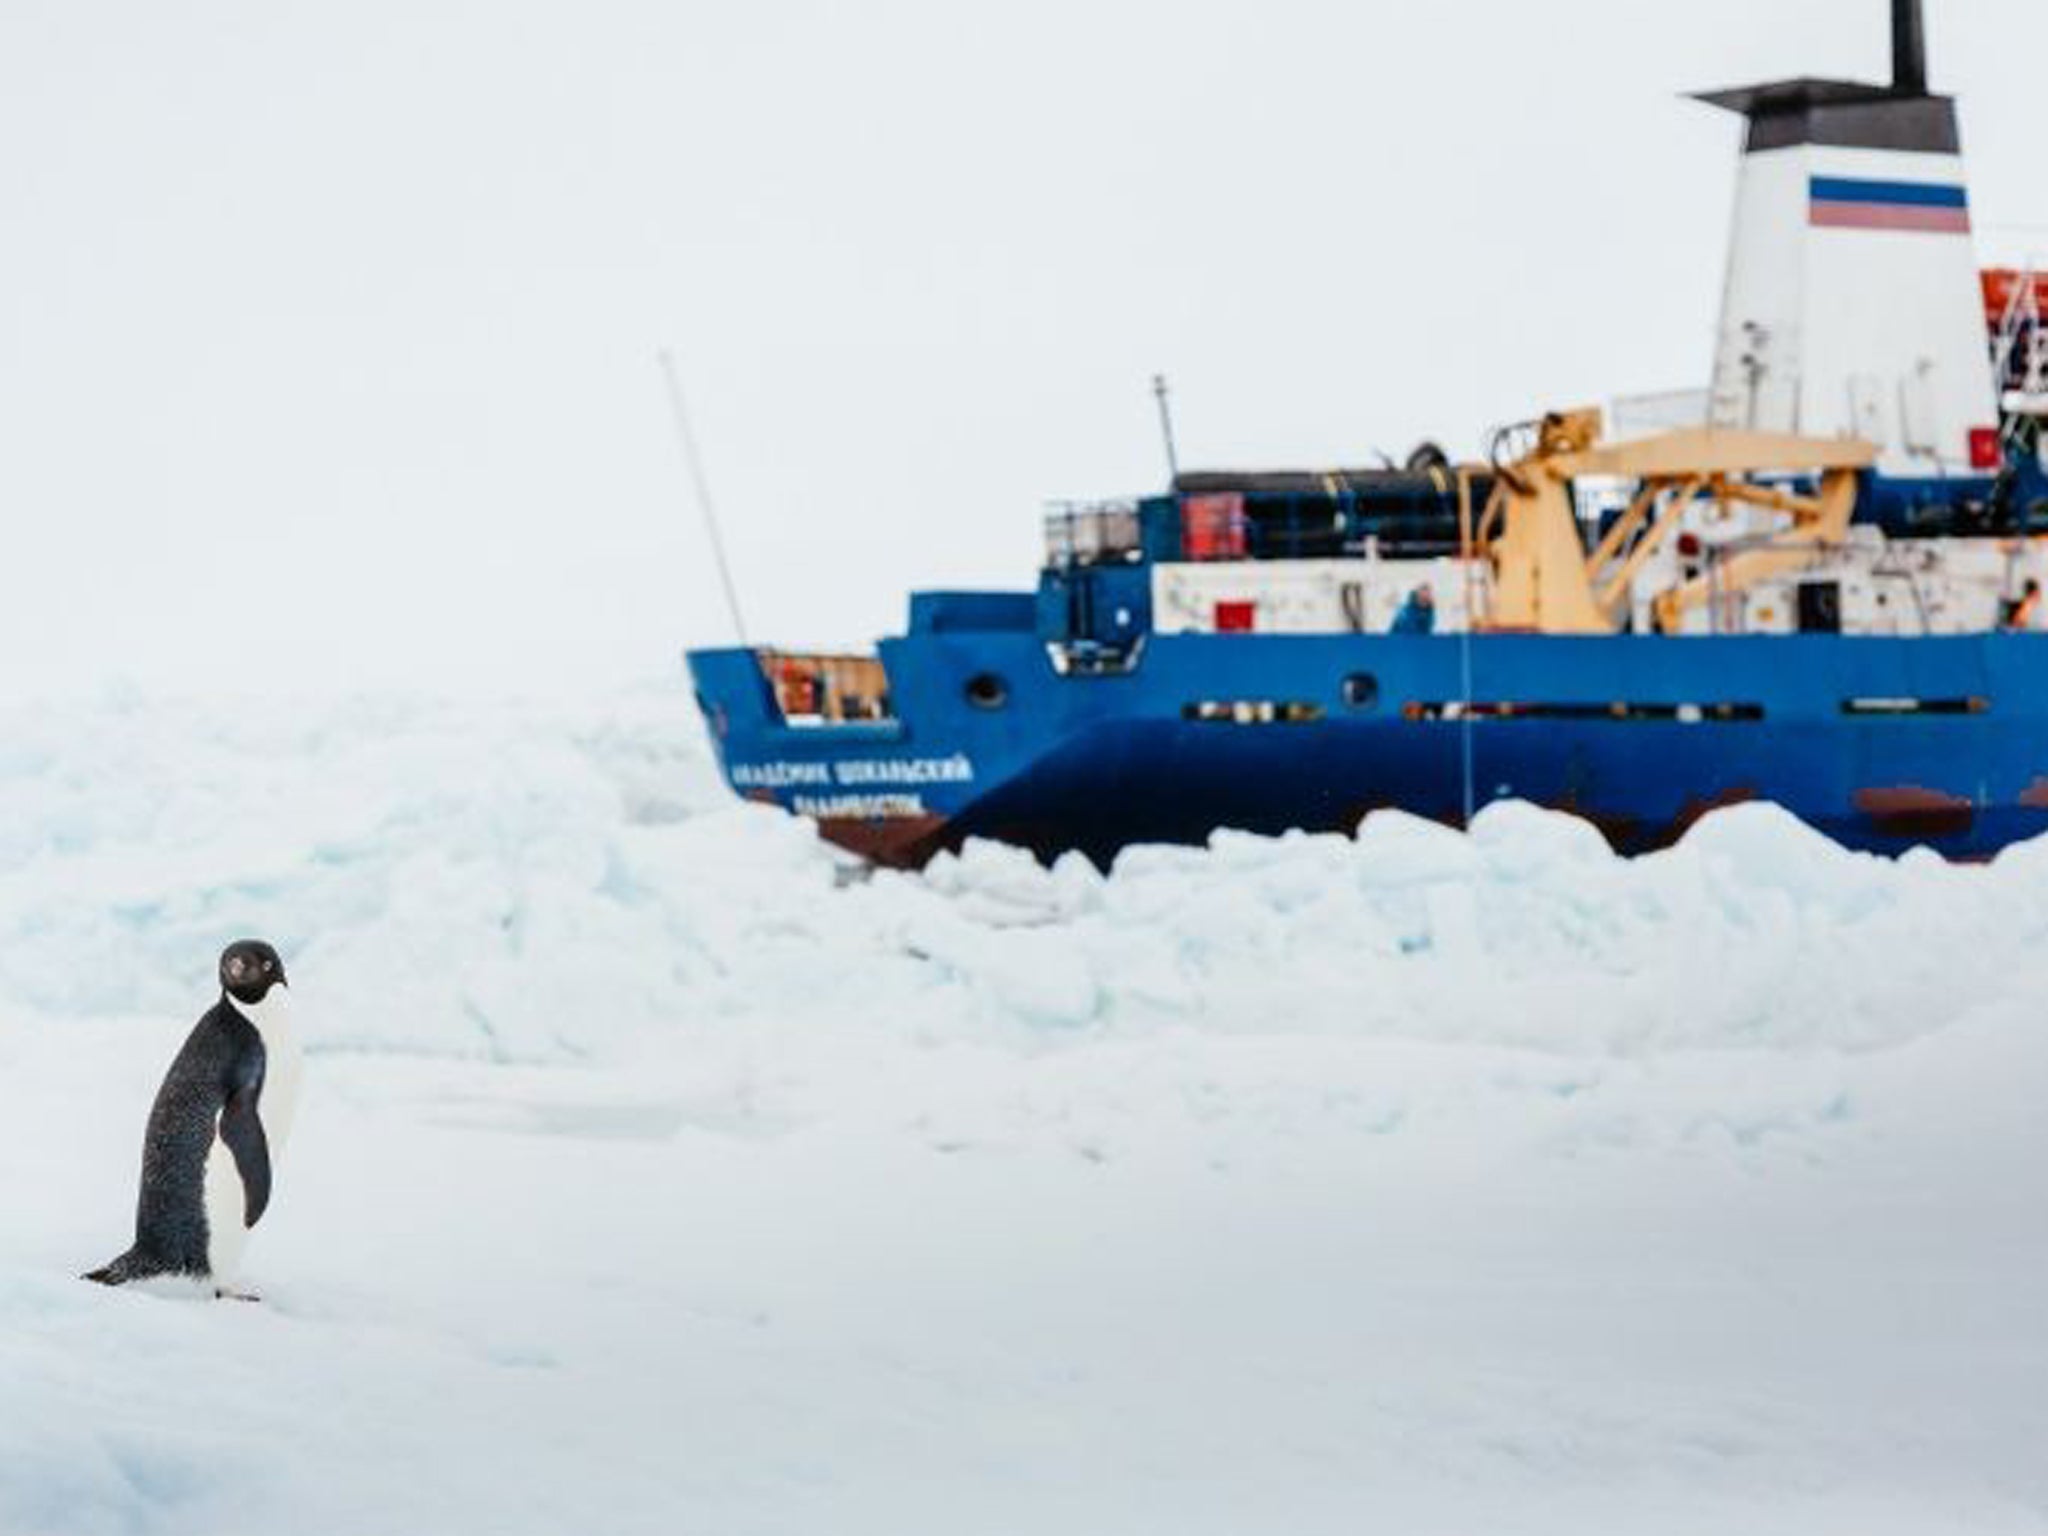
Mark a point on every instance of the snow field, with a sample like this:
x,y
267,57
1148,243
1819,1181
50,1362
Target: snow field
x,y
655,1174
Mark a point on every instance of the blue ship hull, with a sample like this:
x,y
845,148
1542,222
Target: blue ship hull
x,y
1880,743
1075,717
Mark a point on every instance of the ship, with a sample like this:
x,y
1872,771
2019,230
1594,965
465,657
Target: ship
x,y
1816,582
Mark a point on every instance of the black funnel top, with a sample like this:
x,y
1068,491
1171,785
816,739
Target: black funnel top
x,y
1849,113
1909,49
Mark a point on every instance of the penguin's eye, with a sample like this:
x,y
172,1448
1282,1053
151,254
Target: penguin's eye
x,y
269,966
236,966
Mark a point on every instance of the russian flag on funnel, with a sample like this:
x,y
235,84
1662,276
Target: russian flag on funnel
x,y
1844,202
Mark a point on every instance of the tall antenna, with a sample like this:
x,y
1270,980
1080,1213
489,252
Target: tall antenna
x,y
1909,49
693,461
1166,424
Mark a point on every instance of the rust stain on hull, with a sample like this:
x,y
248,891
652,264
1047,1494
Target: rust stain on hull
x,y
2035,795
1631,834
1913,810
899,842
1697,806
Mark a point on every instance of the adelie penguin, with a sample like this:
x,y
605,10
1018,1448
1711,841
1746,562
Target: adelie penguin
x,y
217,1129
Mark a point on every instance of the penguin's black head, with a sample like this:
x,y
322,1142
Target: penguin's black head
x,y
249,968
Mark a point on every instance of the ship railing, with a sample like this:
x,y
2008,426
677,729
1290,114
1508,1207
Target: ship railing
x,y
2019,352
1091,533
824,689
1331,524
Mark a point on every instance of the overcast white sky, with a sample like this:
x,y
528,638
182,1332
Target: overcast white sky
x,y
327,332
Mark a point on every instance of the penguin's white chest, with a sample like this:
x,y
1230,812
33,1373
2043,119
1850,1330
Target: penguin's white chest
x,y
276,1107
225,1208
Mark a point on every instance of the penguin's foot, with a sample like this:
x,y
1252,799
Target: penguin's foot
x,y
228,1293
132,1265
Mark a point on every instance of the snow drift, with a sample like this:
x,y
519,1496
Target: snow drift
x,y
536,883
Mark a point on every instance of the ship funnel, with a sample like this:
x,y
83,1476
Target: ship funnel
x,y
1852,304
1909,49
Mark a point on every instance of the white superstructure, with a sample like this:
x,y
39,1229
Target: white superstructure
x,y
1852,305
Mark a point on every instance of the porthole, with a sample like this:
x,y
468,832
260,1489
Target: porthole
x,y
1361,690
987,691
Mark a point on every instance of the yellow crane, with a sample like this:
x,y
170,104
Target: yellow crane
x,y
1545,579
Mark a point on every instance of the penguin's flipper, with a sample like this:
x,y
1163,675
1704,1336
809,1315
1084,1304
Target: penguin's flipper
x,y
242,1129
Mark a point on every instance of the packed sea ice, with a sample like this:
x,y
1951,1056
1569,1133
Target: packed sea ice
x,y
659,1170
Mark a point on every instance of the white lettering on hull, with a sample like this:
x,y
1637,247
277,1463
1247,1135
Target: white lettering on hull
x,y
854,773
864,806
905,770
778,775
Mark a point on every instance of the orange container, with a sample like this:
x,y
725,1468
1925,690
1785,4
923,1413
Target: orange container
x,y
2002,283
1213,526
